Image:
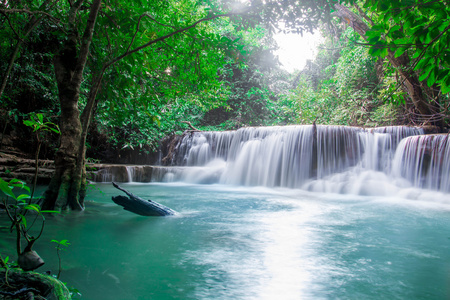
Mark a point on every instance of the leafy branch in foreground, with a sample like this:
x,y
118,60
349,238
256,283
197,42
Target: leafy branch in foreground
x,y
17,209
36,121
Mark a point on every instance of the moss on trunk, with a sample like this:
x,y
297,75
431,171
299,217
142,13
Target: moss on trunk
x,y
16,284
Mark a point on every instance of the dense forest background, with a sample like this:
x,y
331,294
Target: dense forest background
x,y
222,74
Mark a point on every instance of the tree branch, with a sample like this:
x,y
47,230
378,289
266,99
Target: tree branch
x,y
363,14
10,25
97,81
157,22
30,12
86,40
74,8
190,125
181,30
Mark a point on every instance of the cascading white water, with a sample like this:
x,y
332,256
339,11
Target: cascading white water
x,y
269,156
379,147
130,173
338,159
424,161
199,148
338,148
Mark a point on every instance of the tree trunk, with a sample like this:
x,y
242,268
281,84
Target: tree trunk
x,y
409,79
62,193
67,187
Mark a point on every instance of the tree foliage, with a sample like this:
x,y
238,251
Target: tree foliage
x,y
343,85
419,28
411,36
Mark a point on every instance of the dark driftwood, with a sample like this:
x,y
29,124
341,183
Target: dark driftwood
x,y
140,206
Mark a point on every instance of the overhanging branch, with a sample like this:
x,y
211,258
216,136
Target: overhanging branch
x,y
98,79
29,12
181,30
86,115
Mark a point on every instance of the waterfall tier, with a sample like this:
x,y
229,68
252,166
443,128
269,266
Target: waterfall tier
x,y
424,161
338,159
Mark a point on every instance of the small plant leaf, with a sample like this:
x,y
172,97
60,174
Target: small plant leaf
x,y
50,211
23,220
34,207
6,189
22,197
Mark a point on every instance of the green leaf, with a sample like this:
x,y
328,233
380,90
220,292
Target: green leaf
x,y
22,197
417,53
382,6
55,130
399,52
19,183
369,34
384,52
50,211
445,85
65,242
40,118
374,40
444,25
28,123
23,220
402,41
445,88
6,189
423,76
34,207
61,243
395,28
431,78
422,63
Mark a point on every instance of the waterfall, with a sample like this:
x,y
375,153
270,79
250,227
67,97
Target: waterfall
x,y
130,173
424,161
312,157
198,148
337,159
270,156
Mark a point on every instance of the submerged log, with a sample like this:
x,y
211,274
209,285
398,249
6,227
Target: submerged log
x,y
140,206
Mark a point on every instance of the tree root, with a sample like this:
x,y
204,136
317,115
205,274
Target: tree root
x,y
31,285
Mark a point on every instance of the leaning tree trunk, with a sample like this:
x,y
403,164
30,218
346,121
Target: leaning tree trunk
x,y
410,80
66,189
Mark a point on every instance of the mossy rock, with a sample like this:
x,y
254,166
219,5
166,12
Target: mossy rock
x,y
15,280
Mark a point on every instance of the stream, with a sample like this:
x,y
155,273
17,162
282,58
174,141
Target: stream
x,y
231,242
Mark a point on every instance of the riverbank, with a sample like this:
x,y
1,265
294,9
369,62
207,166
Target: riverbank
x,y
13,166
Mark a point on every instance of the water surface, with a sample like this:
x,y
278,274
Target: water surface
x,y
253,243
